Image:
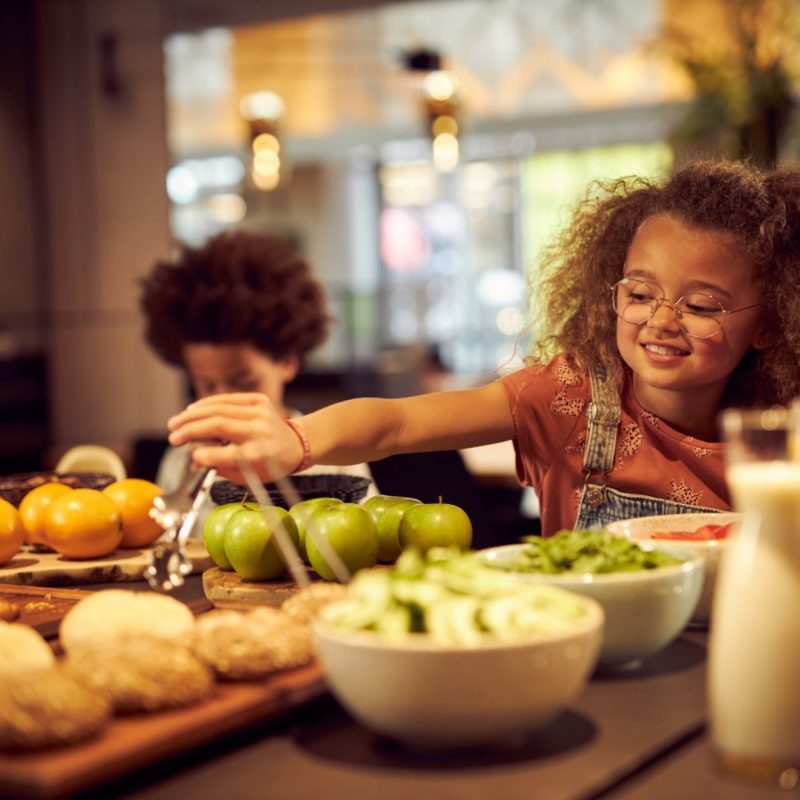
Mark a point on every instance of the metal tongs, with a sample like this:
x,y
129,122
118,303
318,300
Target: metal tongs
x,y
176,512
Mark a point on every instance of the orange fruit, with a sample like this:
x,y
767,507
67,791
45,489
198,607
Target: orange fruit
x,y
83,523
32,507
134,497
12,531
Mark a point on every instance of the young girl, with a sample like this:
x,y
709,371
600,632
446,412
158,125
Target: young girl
x,y
666,304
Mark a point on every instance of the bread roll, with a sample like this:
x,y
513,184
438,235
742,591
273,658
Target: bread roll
x,y
123,614
143,674
246,645
22,650
52,708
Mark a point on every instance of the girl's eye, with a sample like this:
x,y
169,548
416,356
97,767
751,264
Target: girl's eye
x,y
701,305
641,297
693,309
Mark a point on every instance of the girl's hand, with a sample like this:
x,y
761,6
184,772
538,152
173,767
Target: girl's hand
x,y
254,430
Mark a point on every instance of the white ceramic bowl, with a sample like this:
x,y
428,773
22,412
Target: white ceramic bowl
x,y
643,528
644,610
433,695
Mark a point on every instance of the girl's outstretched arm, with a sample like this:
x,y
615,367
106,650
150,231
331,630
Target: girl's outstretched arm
x,y
363,429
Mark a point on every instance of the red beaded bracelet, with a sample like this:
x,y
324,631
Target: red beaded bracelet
x,y
305,461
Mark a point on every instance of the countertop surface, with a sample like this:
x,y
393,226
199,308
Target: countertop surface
x,y
638,733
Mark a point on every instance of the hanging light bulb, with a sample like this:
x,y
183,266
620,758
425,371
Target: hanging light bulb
x,y
263,112
441,91
440,86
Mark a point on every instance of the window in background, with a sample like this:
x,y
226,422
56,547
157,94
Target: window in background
x,y
553,181
451,259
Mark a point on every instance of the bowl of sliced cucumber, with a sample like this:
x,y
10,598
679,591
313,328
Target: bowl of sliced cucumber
x,y
440,651
648,590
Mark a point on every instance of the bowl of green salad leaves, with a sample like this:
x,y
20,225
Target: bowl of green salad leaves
x,y
648,590
440,651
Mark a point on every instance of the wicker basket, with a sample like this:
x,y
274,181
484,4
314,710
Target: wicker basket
x,y
14,487
348,488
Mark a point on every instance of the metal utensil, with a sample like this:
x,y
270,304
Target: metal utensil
x,y
176,512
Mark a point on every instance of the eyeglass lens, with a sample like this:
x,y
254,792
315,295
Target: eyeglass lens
x,y
697,314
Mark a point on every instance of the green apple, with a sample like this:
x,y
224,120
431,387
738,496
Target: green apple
x,y
435,525
301,512
214,532
349,530
250,541
387,511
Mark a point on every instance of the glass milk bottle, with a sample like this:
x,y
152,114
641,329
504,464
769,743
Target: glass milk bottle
x,y
754,650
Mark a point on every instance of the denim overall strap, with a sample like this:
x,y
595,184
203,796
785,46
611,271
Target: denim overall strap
x,y
600,504
603,417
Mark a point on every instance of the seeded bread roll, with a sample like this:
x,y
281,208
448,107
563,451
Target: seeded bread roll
x,y
123,614
246,645
22,650
304,605
143,674
54,708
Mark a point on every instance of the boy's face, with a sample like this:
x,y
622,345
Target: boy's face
x,y
676,376
224,368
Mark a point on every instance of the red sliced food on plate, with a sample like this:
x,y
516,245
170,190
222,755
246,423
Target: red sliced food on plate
x,y
705,533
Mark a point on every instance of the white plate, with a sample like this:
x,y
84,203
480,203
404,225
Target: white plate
x,y
643,528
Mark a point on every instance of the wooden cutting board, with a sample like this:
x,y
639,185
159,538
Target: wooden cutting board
x,y
133,742
41,608
226,589
30,567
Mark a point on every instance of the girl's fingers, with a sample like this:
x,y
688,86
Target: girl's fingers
x,y
194,413
252,430
240,406
216,427
226,459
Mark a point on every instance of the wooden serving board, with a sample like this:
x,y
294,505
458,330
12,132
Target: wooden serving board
x,y
226,589
41,608
30,567
130,743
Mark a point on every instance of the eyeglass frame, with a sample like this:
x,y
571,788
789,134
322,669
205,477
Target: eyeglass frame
x,y
656,304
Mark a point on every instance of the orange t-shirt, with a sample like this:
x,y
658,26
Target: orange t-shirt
x,y
549,402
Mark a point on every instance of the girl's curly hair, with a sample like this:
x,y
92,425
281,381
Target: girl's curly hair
x,y
239,287
761,210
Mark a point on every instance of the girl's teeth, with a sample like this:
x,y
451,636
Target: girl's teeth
x,y
663,351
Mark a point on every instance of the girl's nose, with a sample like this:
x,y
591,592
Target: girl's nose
x,y
665,316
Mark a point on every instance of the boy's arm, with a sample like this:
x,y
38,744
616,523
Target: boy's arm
x,y
363,429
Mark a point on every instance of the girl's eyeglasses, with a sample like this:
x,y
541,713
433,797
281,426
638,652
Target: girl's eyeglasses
x,y
698,315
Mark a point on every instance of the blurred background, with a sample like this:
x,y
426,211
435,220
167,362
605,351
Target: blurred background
x,y
418,153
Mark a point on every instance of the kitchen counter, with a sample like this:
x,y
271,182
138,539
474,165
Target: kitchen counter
x,y
633,734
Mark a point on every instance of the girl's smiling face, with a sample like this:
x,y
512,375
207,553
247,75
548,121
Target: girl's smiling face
x,y
675,376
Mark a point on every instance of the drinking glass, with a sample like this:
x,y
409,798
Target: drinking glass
x,y
754,649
